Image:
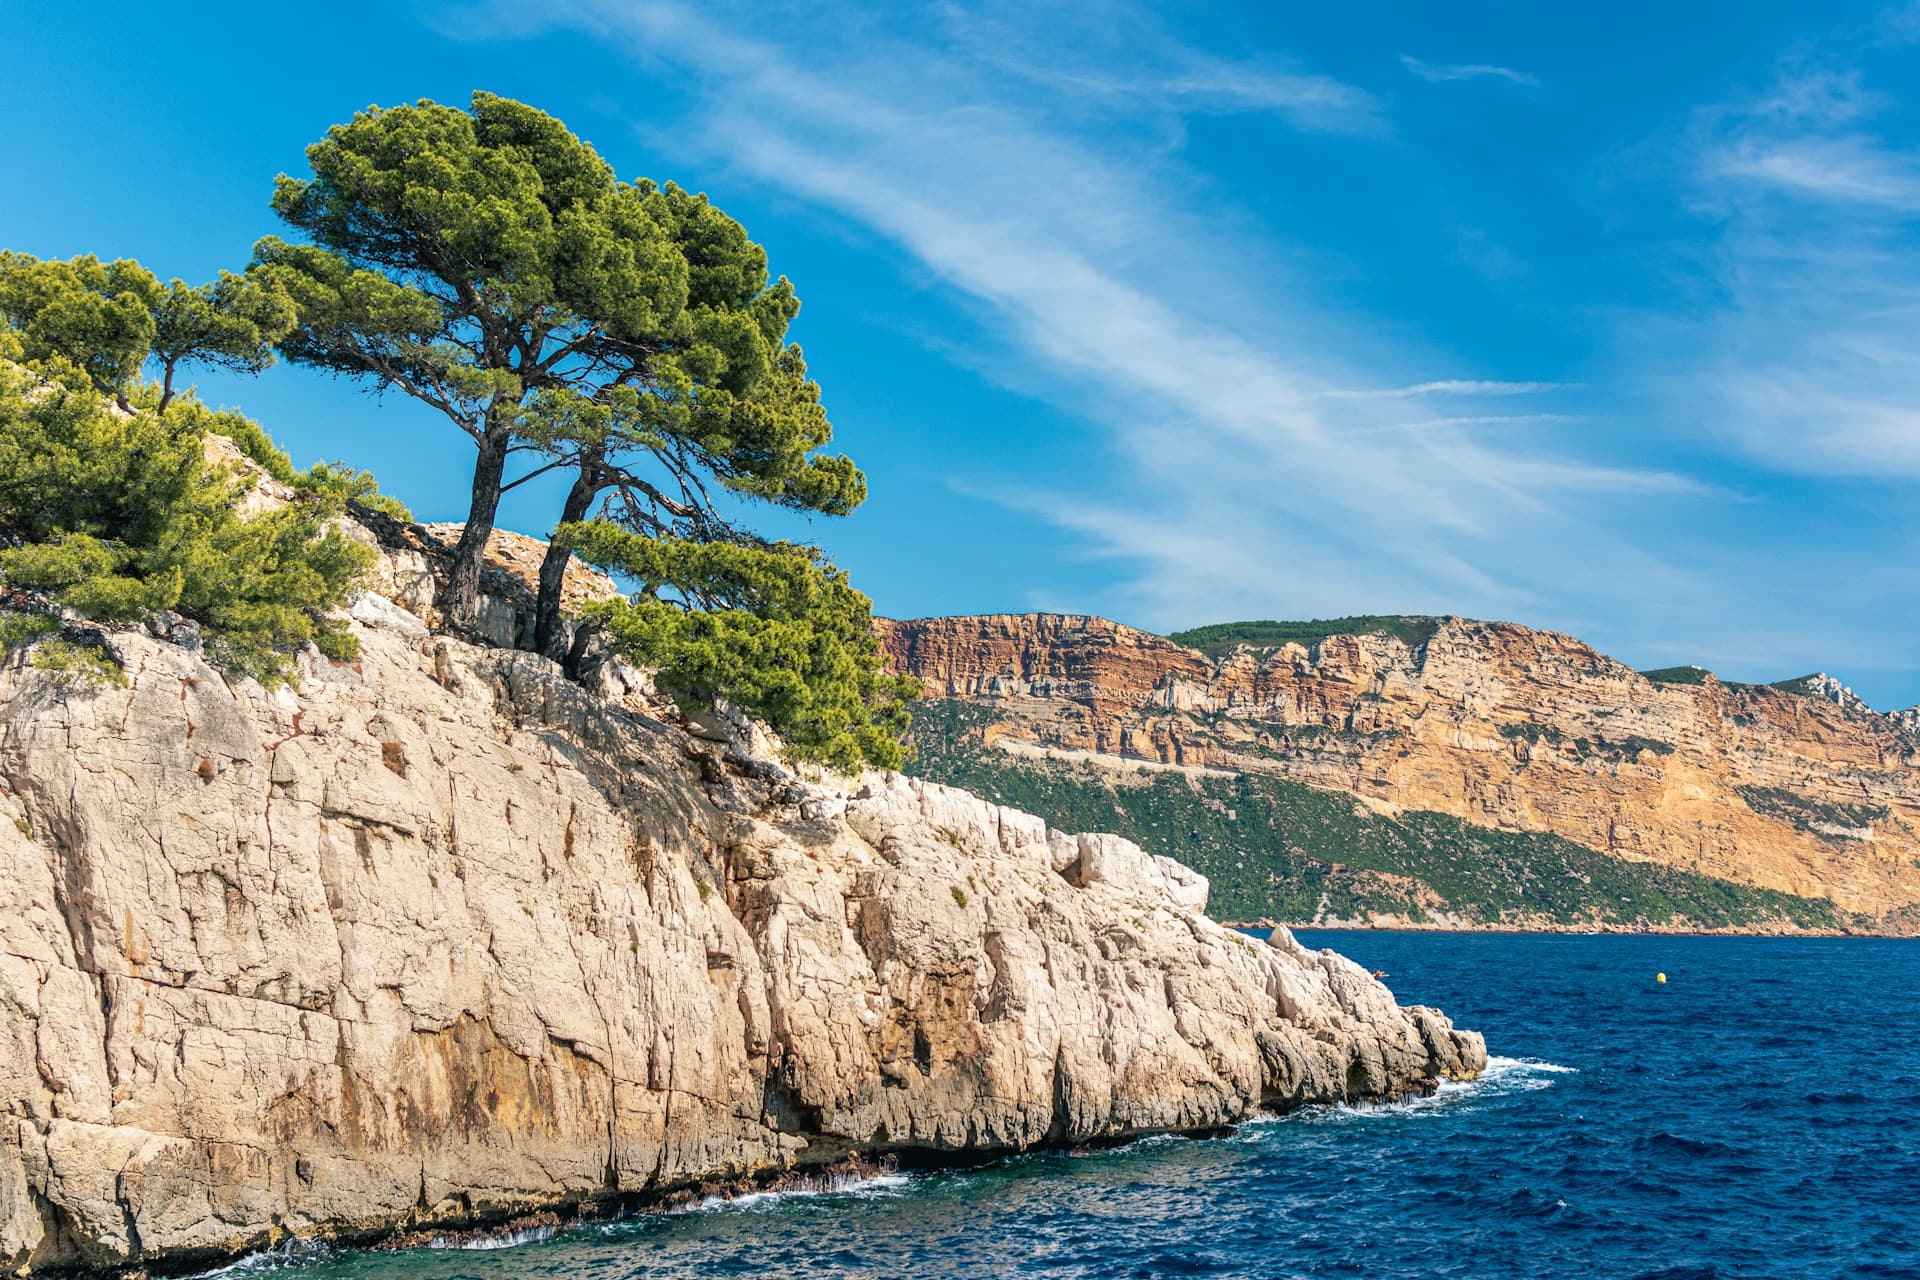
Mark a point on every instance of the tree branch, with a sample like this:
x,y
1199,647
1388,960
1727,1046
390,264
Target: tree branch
x,y
537,471
395,378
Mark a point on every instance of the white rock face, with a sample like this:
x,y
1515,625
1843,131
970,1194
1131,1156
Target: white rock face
x,y
1822,685
443,937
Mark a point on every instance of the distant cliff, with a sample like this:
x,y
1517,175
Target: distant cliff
x,y
1492,774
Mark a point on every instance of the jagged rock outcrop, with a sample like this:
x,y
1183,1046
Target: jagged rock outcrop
x,y
443,937
1798,788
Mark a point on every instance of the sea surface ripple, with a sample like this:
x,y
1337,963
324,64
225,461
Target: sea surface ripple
x,y
1756,1116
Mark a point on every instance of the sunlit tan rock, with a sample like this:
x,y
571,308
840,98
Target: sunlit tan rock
x,y
1491,722
441,937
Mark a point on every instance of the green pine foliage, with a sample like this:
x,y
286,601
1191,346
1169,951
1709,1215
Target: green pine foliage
x,y
338,483
489,264
118,514
111,318
1217,638
99,315
86,663
24,630
770,628
334,483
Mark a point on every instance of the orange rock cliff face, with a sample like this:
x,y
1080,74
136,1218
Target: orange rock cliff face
x,y
1808,792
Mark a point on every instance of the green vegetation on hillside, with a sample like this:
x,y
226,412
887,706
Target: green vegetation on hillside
x,y
1216,639
1818,817
113,510
1281,849
1678,675
1595,747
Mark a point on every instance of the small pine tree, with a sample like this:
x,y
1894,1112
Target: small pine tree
x,y
111,318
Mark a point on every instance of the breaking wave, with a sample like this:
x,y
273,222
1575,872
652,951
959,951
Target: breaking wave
x,y
863,1186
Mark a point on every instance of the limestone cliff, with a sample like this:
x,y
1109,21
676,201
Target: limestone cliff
x,y
1799,789
441,937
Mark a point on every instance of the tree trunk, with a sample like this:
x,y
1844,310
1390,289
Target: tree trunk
x,y
166,384
463,580
548,637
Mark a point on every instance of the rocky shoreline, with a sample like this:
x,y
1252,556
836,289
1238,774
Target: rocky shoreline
x,y
443,940
1636,929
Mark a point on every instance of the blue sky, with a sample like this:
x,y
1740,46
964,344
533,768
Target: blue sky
x,y
1601,318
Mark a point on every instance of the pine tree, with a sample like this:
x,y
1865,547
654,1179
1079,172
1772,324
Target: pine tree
x,y
770,628
120,514
489,264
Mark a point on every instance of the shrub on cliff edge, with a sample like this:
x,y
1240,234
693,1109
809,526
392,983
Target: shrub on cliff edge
x,y
119,514
771,628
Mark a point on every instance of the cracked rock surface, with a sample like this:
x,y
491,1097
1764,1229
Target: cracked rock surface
x,y
442,937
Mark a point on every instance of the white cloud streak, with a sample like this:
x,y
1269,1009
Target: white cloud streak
x,y
1842,170
1812,358
1474,420
1119,53
1441,73
1450,387
1240,477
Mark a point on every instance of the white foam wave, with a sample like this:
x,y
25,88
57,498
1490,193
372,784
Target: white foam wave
x,y
1526,1064
873,1186
1151,1140
501,1240
1518,1075
294,1253
1503,1076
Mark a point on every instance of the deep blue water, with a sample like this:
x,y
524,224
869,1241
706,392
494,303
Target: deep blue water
x,y
1759,1115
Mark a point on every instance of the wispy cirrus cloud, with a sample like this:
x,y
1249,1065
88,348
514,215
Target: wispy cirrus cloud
x,y
1811,355
1852,169
1238,474
1219,87
1475,420
1122,53
1310,100
1453,386
1442,72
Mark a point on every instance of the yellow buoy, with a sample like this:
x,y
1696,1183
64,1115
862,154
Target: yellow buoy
x,y
1660,978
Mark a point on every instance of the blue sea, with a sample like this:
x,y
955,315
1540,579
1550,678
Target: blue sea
x,y
1757,1115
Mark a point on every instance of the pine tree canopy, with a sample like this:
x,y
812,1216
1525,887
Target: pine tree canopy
x,y
488,263
118,514
111,318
